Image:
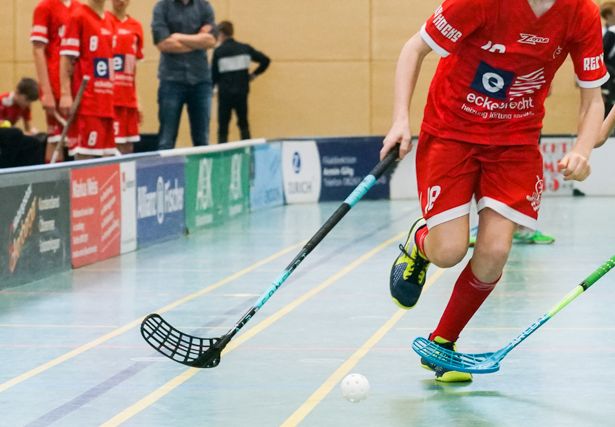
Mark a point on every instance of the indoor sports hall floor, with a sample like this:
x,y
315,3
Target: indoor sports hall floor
x,y
72,355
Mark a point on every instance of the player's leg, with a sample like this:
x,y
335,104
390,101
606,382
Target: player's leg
x,y
241,108
198,100
171,99
509,193
126,129
54,131
225,108
446,176
107,137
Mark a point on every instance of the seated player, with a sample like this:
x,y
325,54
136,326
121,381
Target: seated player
x,y
127,51
15,106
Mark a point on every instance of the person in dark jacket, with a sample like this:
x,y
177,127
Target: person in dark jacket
x,y
231,73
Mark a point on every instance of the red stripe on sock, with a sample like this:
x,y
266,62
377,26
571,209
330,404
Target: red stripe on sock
x,y
419,239
468,295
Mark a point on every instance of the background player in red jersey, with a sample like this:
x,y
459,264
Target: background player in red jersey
x,y
479,137
15,106
87,50
127,50
48,27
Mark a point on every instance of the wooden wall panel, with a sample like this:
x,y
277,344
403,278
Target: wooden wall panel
x,y
7,31
304,30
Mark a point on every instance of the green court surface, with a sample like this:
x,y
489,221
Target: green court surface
x,y
72,354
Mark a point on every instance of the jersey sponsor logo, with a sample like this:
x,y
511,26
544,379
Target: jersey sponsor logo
x,y
528,83
93,43
593,63
446,29
101,68
492,82
494,47
532,39
119,62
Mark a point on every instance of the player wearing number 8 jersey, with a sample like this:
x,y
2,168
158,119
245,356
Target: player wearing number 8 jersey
x,y
479,137
127,51
48,27
87,50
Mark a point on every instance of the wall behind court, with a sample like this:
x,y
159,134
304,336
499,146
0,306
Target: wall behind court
x,y
332,70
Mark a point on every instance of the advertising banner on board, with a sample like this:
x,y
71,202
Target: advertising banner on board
x,y
266,186
128,183
301,171
95,214
217,187
553,150
34,226
345,162
160,199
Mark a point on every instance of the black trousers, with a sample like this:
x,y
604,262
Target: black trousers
x,y
227,102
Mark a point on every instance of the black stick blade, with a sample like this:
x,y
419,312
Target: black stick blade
x,y
178,346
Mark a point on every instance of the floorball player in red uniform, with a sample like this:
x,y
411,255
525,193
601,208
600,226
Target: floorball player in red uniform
x,y
479,137
48,27
87,50
127,51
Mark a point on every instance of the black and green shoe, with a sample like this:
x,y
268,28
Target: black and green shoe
x,y
409,271
444,375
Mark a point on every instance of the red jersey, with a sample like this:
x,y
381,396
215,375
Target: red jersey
x,y
12,112
499,60
89,39
128,48
48,27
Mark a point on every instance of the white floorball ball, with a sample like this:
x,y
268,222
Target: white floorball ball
x,y
355,387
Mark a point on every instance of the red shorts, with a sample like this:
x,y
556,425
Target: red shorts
x,y
92,136
507,179
126,125
54,129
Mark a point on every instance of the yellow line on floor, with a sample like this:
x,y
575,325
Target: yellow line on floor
x,y
159,393
135,323
335,378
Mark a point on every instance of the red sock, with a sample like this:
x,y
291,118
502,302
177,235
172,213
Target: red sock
x,y
419,239
468,295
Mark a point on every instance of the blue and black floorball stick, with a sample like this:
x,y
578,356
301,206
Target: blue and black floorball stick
x,y
205,352
485,363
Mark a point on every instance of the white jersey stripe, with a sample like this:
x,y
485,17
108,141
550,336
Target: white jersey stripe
x,y
234,63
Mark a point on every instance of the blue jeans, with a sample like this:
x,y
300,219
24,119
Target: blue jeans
x,y
171,99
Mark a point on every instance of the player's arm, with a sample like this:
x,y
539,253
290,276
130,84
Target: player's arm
x,y
607,128
575,164
66,77
261,59
203,40
163,39
406,75
40,63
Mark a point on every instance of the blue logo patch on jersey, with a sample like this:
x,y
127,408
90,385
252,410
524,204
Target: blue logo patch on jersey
x,y
492,82
119,62
101,68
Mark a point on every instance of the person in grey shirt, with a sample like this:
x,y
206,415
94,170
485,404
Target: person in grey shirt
x,y
183,30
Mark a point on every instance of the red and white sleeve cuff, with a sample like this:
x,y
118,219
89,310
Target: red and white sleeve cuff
x,y
590,84
432,43
41,39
